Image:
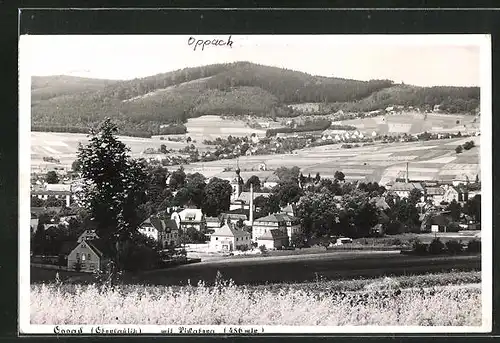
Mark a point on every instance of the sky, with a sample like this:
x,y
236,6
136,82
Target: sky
x,y
436,60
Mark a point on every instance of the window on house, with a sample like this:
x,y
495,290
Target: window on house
x,y
77,256
88,256
216,238
83,257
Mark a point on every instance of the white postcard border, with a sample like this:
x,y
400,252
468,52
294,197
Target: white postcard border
x,y
484,41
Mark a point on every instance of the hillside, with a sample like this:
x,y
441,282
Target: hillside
x,y
141,106
48,87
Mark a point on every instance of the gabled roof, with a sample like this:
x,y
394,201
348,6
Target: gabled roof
x,y
272,235
191,214
228,231
435,191
58,187
245,196
380,203
212,219
160,224
277,218
406,186
100,247
272,178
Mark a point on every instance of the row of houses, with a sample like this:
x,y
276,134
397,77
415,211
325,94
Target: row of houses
x,y
434,193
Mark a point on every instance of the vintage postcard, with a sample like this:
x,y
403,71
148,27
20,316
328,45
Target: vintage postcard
x,y
258,184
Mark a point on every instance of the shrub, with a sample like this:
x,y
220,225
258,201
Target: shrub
x,y
454,247
458,149
453,227
474,246
396,241
263,249
436,246
419,248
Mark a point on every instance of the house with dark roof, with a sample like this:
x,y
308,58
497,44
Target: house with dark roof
x,y
273,239
228,238
288,225
88,256
163,230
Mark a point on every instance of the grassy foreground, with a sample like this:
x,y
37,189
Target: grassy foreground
x,y
379,302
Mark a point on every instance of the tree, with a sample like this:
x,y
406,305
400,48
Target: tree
x,y
414,196
339,176
114,187
217,197
178,179
358,215
288,174
163,149
37,202
255,181
319,214
455,210
267,205
288,192
317,178
52,177
76,166
458,149
473,208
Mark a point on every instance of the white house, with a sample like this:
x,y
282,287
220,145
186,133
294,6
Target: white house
x,y
190,217
273,239
288,225
228,238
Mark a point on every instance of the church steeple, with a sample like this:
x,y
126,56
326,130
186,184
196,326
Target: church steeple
x,y
237,183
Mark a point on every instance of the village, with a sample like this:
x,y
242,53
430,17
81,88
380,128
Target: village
x,y
185,234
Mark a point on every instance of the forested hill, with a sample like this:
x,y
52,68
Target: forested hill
x,y
241,88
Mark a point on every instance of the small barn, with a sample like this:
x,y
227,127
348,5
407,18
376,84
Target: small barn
x,y
273,239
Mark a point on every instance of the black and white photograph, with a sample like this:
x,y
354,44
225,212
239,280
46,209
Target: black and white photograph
x,y
255,184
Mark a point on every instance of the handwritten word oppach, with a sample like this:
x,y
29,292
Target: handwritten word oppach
x,y
202,43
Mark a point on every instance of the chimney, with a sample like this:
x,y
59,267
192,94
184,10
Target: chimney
x,y
251,205
407,177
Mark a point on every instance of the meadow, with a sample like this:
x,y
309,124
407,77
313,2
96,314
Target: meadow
x,y
382,301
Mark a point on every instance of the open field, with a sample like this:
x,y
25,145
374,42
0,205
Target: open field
x,y
380,302
297,268
64,146
428,160
415,122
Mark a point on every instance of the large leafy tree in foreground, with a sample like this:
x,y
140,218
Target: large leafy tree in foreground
x,y
114,187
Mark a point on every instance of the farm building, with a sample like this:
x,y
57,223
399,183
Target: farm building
x,y
403,189
287,224
434,194
457,193
440,219
89,255
228,238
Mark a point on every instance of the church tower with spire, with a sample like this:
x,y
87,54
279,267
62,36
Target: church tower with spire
x,y
237,184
